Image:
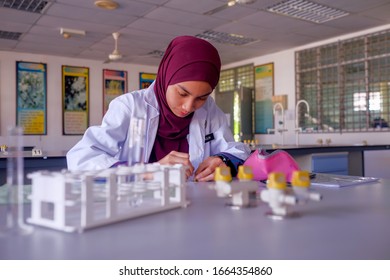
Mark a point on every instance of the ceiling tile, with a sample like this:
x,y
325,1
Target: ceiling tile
x,y
355,23
185,18
198,6
58,22
14,26
156,26
12,15
7,44
88,15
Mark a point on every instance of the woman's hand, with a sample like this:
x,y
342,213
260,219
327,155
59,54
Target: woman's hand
x,y
178,158
205,171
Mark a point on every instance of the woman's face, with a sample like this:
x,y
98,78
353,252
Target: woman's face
x,y
186,97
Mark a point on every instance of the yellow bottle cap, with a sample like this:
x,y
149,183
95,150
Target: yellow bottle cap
x,y
222,173
245,173
301,178
276,180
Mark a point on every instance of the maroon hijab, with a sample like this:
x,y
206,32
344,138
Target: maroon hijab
x,y
186,59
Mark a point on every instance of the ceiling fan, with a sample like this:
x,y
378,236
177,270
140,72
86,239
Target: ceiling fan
x,y
229,3
115,55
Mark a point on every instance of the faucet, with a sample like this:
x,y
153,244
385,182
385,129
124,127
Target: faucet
x,y
280,130
297,128
276,105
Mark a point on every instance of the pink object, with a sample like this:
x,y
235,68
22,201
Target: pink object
x,y
263,163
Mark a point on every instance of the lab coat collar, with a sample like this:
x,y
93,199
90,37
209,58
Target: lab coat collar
x,y
153,112
197,135
151,100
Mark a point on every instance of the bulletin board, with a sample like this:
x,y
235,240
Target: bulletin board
x,y
31,79
114,84
146,79
264,91
75,99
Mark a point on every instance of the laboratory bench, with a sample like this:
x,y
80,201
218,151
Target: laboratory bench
x,y
348,223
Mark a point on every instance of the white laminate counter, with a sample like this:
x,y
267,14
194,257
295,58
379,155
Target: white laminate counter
x,y
349,223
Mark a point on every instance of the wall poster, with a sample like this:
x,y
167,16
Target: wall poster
x,y
31,78
146,79
114,84
264,90
75,99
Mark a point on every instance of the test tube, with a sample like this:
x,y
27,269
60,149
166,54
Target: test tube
x,y
136,160
15,183
136,141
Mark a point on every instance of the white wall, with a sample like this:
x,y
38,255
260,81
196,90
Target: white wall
x,y
54,140
284,83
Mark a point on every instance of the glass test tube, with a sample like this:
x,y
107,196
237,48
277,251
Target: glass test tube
x,y
136,160
15,184
136,141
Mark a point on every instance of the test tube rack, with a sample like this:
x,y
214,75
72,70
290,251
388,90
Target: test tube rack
x,y
76,201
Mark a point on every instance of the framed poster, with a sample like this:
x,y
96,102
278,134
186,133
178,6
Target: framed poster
x,y
75,99
114,84
31,79
146,79
264,90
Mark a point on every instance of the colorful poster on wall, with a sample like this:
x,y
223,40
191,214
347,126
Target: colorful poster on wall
x,y
75,99
264,90
114,84
146,79
31,97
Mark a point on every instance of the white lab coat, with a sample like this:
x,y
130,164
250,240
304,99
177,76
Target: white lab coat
x,y
104,145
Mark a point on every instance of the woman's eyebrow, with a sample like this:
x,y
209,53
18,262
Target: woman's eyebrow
x,y
183,88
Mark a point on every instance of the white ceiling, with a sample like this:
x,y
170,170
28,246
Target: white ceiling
x,y
149,25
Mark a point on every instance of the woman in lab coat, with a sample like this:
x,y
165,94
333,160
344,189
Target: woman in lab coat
x,y
182,122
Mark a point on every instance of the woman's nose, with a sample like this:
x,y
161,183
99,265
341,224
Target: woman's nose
x,y
189,105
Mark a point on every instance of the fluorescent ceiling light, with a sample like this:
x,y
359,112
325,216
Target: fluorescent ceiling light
x,y
226,38
307,10
7,35
32,6
156,53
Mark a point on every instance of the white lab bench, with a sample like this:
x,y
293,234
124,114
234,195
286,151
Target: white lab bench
x,y
349,223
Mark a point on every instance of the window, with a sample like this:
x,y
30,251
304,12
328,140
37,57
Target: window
x,y
347,85
226,81
360,101
232,79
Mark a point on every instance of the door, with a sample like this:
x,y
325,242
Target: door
x,y
237,105
246,120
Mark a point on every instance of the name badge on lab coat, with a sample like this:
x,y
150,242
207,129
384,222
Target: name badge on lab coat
x,y
209,137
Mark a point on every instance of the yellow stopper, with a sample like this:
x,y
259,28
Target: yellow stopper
x,y
276,180
245,173
301,178
222,173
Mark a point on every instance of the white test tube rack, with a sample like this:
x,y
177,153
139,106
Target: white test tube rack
x,y
77,201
